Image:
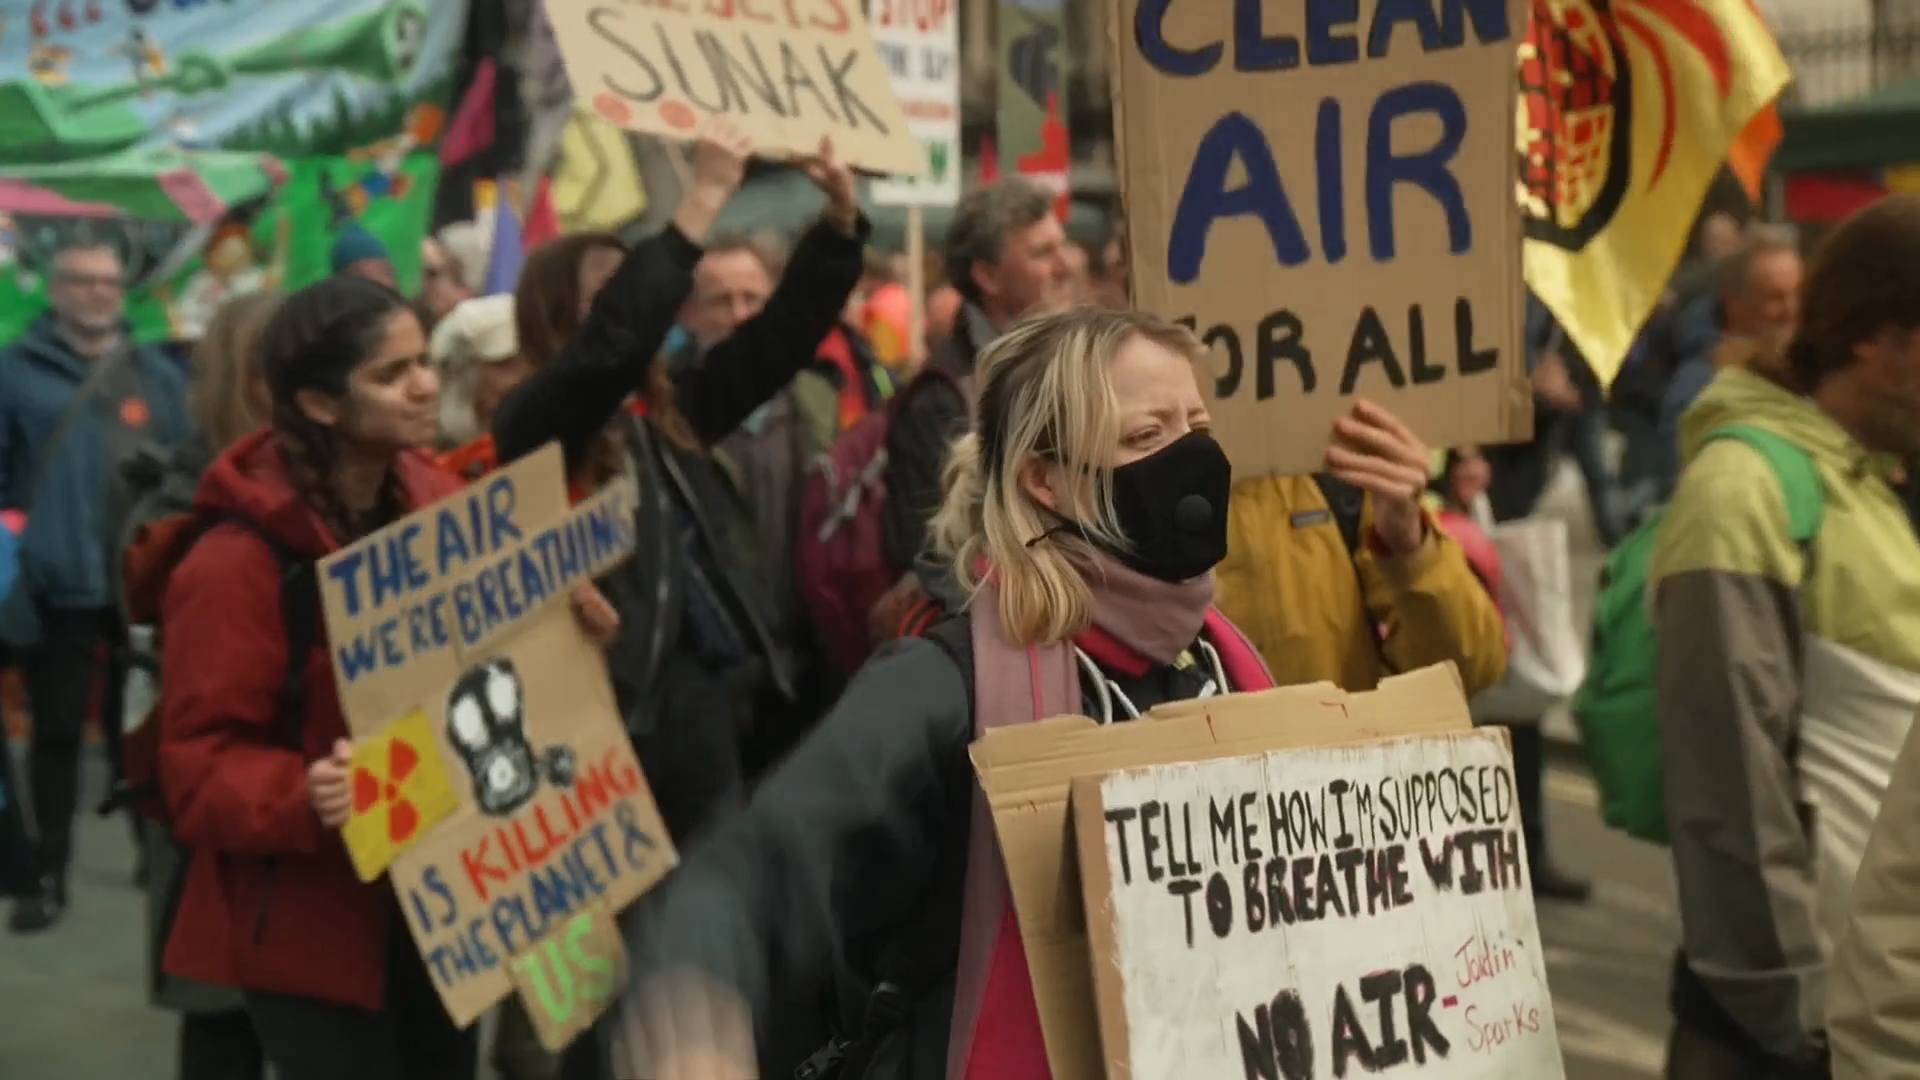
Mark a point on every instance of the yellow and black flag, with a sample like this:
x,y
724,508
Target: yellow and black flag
x,y
1627,110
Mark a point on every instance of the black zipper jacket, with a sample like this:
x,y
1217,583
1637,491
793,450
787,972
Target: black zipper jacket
x,y
682,715
851,855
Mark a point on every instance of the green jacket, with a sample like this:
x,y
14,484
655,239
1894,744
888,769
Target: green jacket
x,y
1787,683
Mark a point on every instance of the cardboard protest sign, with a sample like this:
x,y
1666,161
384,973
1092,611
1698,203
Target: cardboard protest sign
x,y
919,41
1326,196
1316,912
589,945
785,74
1027,771
493,779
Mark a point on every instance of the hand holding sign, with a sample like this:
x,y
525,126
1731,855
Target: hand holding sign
x,y
835,180
1375,452
719,164
329,787
595,614
720,158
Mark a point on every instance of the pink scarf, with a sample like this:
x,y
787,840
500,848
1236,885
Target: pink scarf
x,y
1015,685
1153,618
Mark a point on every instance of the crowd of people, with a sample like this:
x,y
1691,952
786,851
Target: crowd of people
x,y
1061,534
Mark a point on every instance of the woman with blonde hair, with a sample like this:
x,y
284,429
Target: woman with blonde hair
x,y
1084,514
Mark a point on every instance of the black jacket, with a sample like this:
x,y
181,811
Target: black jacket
x,y
930,415
683,715
845,849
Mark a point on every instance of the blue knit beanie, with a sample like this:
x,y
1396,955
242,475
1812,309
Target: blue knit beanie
x,y
356,244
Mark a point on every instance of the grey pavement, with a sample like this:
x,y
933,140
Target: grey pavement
x,y
73,1007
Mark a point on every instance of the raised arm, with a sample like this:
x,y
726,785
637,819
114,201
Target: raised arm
x,y
763,354
609,356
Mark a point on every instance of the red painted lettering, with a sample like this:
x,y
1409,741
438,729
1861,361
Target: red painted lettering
x,y
546,829
1477,960
480,868
626,773
836,21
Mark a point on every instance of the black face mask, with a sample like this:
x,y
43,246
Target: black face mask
x,y
1172,505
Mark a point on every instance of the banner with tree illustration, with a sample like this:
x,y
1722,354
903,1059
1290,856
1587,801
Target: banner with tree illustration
x,y
220,146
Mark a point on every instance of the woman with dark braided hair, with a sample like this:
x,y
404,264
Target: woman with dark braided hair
x,y
253,745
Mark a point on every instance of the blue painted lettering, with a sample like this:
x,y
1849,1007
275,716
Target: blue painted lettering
x,y
355,657
1427,170
391,654
1149,33
1331,193
451,540
1206,198
501,528
1324,45
1329,26
1253,48
345,572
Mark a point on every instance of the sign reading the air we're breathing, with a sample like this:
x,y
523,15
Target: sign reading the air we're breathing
x,y
493,781
785,74
1323,912
1323,191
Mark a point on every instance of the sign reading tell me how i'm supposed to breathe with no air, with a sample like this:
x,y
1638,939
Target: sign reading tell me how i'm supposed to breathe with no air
x,y
492,779
1324,191
786,73
1324,912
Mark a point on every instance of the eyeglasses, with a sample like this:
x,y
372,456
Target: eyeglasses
x,y
89,281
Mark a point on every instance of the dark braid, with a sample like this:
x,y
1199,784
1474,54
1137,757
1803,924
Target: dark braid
x,y
314,342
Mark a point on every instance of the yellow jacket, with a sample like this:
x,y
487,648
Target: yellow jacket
x,y
1290,585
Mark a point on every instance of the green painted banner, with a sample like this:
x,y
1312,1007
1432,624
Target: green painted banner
x,y
220,145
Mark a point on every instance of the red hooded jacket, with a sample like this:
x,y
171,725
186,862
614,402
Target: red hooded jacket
x,y
271,901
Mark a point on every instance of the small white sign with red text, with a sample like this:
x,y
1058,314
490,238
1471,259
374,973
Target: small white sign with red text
x,y
919,45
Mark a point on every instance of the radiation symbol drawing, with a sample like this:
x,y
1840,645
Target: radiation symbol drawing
x,y
400,791
372,792
1575,124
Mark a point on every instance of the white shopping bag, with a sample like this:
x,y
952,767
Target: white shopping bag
x,y
1546,654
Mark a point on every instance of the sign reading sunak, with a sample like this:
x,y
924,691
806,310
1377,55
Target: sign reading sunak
x,y
1324,191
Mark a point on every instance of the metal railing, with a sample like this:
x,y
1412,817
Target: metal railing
x,y
1847,55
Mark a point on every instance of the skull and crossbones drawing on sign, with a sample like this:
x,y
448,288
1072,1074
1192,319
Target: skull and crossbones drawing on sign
x,y
487,725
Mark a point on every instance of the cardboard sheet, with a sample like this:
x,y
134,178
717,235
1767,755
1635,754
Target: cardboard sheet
x,y
1027,772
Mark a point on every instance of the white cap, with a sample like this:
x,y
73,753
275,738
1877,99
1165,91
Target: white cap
x,y
471,245
476,331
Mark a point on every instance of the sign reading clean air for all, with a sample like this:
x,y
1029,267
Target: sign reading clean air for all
x,y
919,42
493,781
785,74
1325,193
1319,912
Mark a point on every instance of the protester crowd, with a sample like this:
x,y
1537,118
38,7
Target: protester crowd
x,y
1055,531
